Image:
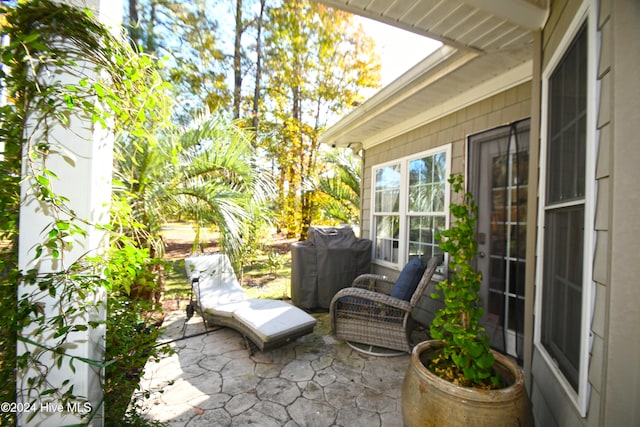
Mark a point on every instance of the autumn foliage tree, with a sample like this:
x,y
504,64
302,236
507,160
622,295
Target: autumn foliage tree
x,y
317,62
283,68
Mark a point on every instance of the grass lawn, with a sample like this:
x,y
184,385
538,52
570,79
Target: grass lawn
x,y
263,280
268,276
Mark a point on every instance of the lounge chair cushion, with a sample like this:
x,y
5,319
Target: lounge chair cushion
x,y
408,280
212,292
270,319
223,300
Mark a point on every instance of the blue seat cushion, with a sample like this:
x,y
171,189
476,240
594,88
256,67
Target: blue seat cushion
x,y
408,280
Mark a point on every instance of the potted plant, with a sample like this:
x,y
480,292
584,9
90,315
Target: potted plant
x,y
455,378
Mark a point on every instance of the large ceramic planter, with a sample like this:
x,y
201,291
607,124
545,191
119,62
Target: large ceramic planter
x,y
428,400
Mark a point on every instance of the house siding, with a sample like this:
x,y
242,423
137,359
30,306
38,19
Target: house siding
x,y
614,371
612,208
551,405
619,121
502,108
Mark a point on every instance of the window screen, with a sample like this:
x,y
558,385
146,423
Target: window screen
x,y
565,210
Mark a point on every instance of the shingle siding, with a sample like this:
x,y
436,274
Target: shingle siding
x,y
621,371
608,404
505,107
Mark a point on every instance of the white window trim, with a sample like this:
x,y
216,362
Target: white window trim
x,y
586,12
403,213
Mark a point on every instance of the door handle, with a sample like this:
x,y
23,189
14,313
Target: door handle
x,y
481,254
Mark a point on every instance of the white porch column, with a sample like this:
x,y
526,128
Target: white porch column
x,y
81,158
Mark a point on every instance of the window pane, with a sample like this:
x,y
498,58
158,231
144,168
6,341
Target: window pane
x,y
562,288
419,200
516,313
521,170
423,231
427,183
388,200
567,125
387,189
386,240
440,167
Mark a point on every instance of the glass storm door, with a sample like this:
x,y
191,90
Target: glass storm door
x,y
499,161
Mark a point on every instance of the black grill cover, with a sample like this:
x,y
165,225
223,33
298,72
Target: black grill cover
x,y
326,262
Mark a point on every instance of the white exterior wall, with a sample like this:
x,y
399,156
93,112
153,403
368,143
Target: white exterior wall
x,y
83,166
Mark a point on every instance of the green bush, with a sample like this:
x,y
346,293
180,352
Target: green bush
x,y
132,331
131,100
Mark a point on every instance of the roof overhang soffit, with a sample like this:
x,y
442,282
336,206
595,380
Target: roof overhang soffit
x,y
487,49
522,13
459,23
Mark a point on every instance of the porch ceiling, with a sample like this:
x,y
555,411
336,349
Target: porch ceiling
x,y
487,47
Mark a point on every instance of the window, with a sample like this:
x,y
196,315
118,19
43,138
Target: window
x,y
564,215
562,330
409,206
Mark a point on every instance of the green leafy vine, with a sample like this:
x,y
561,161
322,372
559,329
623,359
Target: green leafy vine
x,y
61,70
465,358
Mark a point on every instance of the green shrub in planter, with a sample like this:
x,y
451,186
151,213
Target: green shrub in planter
x,y
465,358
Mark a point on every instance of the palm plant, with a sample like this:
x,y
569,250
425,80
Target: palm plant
x,y
202,173
340,188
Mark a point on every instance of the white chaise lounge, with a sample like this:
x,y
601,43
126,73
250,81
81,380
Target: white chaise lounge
x,y
221,300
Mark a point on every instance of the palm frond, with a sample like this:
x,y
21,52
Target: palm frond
x,y
204,173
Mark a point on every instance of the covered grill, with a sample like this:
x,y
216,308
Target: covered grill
x,y
326,262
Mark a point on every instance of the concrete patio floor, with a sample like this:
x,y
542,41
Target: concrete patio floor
x,y
212,380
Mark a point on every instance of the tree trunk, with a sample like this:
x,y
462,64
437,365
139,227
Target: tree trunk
x,y
258,81
152,46
237,61
133,12
133,25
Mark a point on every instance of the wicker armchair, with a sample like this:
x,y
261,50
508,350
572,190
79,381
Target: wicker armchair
x,y
366,313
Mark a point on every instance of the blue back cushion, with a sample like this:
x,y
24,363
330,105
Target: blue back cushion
x,y
408,280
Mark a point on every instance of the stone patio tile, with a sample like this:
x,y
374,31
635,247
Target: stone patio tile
x,y
239,384
312,413
391,419
214,363
255,418
268,370
342,394
298,370
174,414
356,417
215,417
238,366
215,401
241,403
278,390
213,380
273,410
313,391
373,401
